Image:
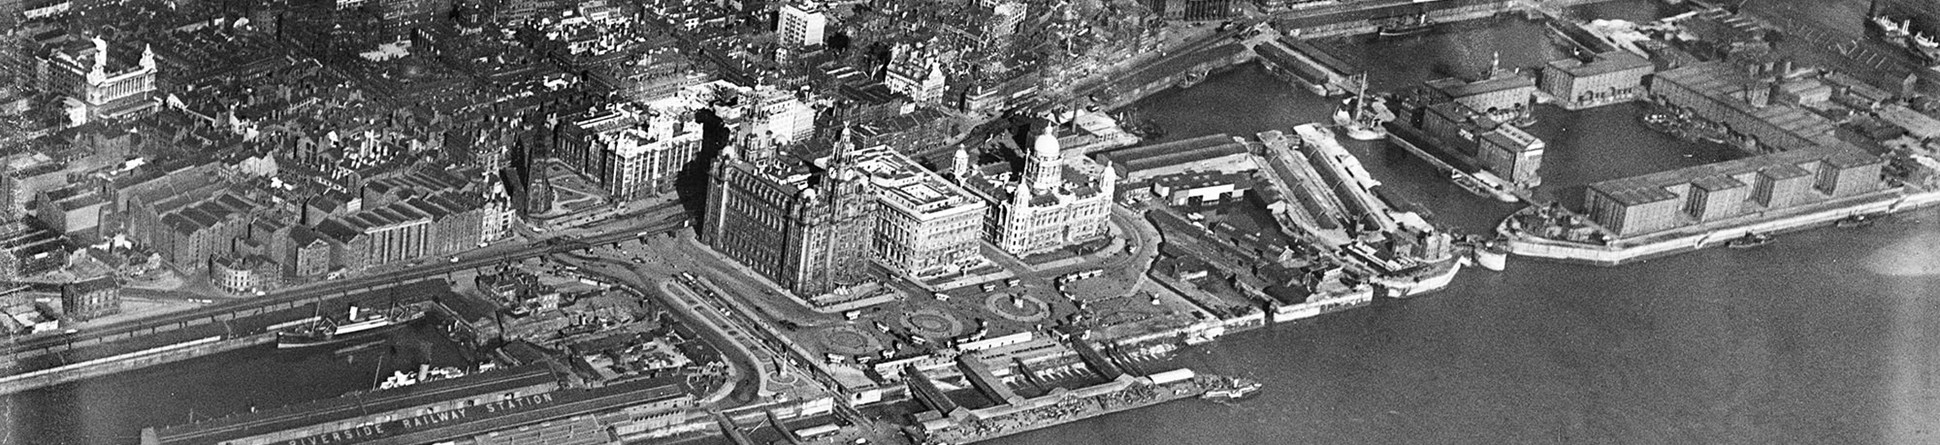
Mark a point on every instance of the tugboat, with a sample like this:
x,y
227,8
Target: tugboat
x,y
1492,256
1667,124
1407,27
1750,240
326,331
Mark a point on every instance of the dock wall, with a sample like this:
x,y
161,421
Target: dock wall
x,y
134,360
1530,246
226,321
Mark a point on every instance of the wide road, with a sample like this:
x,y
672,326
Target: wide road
x,y
666,217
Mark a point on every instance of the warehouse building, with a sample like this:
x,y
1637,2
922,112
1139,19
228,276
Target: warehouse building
x,y
1660,201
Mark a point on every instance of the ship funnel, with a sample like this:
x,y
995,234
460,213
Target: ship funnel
x,y
353,312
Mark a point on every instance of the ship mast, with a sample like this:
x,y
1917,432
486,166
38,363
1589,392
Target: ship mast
x,y
1360,98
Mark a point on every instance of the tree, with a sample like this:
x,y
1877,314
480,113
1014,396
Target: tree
x,y
837,42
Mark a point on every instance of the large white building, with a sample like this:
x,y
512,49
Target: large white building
x,y
925,225
800,27
96,85
772,117
1053,203
914,70
636,163
636,151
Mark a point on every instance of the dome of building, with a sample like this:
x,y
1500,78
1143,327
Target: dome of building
x,y
1046,145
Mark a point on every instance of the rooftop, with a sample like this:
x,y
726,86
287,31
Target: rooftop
x,y
1454,87
1201,148
1649,188
1604,63
1721,81
907,185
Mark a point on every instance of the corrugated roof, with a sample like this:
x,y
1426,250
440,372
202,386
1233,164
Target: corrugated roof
x,y
1176,152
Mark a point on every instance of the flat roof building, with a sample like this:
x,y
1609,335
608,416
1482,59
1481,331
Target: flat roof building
x,y
1503,96
1660,201
1606,78
1210,153
1726,93
925,224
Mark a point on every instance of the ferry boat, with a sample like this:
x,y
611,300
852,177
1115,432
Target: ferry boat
x,y
1419,24
1902,34
400,379
1925,48
1750,240
326,331
1890,28
1478,185
1238,389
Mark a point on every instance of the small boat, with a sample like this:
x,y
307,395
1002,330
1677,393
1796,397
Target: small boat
x,y
1855,221
1492,257
1468,183
1750,240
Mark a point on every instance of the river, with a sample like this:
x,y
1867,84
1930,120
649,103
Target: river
x,y
112,409
1823,337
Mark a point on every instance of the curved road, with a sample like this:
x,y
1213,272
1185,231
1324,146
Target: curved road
x,y
669,216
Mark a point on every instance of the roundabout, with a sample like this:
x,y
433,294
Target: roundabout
x,y
1022,308
932,323
850,340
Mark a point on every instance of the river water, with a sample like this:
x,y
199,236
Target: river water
x,y
113,409
1827,336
